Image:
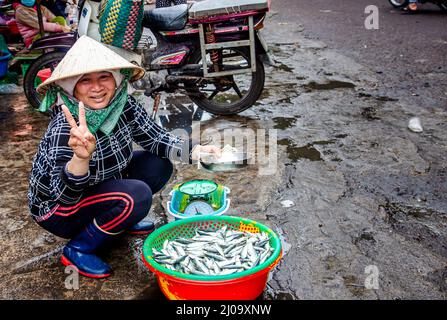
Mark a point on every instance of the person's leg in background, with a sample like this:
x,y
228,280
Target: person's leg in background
x,y
59,8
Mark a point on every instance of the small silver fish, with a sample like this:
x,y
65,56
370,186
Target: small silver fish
x,y
214,252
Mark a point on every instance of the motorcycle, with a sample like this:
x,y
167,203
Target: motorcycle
x,y
52,48
214,55
399,4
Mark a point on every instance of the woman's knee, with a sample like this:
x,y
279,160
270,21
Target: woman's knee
x,y
139,206
144,164
161,165
141,194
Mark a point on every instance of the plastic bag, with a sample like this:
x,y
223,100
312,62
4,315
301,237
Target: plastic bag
x,y
10,88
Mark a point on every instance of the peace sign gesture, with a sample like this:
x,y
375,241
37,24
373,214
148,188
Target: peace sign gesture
x,y
81,141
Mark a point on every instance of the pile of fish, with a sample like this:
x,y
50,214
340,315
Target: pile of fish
x,y
219,252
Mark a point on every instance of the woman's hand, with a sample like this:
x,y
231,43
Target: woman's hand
x,y
198,150
81,141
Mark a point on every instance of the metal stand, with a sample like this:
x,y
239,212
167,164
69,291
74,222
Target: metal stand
x,y
228,44
156,97
40,18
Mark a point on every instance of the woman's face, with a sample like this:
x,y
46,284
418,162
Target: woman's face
x,y
95,89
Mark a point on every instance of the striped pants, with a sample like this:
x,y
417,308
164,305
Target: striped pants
x,y
115,204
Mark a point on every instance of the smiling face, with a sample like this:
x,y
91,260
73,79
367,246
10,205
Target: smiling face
x,y
95,89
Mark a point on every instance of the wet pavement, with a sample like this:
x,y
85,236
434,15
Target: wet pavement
x,y
366,191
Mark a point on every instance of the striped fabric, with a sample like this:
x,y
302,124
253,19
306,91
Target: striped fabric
x,y
51,186
121,23
131,29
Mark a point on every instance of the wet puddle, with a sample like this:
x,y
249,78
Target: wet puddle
x,y
309,152
283,67
394,209
378,98
284,244
323,142
284,123
180,112
330,85
405,220
152,292
276,96
386,99
272,295
296,153
370,113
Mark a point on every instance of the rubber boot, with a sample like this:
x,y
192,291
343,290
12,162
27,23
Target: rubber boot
x,y
142,227
78,252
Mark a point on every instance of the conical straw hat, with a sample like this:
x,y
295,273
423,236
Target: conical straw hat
x,y
86,56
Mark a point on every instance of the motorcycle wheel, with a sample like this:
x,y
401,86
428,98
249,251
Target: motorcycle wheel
x,y
232,98
398,4
31,81
443,5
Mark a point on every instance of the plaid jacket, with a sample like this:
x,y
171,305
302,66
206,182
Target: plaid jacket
x,y
51,185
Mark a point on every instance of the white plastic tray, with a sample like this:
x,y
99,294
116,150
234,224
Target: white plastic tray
x,y
208,8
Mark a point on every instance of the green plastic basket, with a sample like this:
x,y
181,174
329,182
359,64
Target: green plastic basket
x,y
186,228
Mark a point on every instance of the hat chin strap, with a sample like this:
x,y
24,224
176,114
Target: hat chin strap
x,y
68,84
119,77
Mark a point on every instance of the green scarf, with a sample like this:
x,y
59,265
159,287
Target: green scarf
x,y
104,119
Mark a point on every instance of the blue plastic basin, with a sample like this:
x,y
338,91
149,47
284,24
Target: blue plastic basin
x,y
4,57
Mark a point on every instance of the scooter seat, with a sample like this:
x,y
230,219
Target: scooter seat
x,y
166,19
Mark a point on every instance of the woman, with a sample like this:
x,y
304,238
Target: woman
x,y
87,184
28,22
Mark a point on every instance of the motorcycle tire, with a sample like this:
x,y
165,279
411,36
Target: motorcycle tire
x,y
399,4
251,96
29,81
